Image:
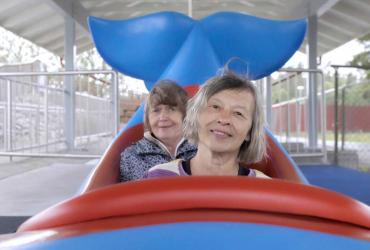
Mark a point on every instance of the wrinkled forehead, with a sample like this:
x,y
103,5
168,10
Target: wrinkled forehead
x,y
242,99
233,94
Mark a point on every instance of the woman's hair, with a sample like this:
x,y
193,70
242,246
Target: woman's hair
x,y
165,92
250,151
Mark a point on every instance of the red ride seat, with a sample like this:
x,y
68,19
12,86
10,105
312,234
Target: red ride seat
x,y
202,199
277,164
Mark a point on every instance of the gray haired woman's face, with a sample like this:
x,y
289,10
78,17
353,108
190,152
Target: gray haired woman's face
x,y
226,120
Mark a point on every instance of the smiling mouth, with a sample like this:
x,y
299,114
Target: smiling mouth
x,y
220,133
169,126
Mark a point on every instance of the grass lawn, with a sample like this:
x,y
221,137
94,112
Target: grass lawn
x,y
350,137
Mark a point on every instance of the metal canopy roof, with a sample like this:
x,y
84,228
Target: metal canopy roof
x,y
42,21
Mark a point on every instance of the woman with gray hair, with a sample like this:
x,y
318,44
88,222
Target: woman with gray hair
x,y
225,120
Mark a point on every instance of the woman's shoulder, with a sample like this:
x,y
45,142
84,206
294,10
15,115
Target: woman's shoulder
x,y
259,174
186,143
140,147
172,168
133,147
253,172
186,146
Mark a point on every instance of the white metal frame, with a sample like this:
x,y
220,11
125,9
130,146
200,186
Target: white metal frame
x,y
115,108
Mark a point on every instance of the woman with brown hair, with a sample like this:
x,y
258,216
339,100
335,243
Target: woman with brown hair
x,y
163,141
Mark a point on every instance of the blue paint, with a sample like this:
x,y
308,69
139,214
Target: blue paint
x,y
208,235
170,45
137,118
347,181
141,47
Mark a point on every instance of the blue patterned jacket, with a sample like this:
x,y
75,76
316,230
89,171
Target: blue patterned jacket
x,y
149,152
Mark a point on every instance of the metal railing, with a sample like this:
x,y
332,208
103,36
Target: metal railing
x,y
357,125
49,115
290,119
33,115
349,104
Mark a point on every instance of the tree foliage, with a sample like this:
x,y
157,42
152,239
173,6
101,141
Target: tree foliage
x,y
357,95
16,50
363,59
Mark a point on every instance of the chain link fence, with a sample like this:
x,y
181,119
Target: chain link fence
x,y
353,124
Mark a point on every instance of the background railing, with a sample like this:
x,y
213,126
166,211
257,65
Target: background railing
x,y
290,119
34,115
342,119
353,123
34,118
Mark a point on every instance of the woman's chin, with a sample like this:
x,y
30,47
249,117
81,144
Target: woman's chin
x,y
166,136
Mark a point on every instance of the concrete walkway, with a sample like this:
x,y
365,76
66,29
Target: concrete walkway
x,y
31,185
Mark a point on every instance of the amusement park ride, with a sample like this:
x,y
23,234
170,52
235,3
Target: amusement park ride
x,y
284,212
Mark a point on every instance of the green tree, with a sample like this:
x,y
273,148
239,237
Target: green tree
x,y
93,84
17,50
14,50
363,59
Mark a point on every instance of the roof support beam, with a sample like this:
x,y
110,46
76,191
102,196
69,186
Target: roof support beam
x,y
355,18
72,9
69,96
326,6
312,83
330,27
190,8
268,101
305,8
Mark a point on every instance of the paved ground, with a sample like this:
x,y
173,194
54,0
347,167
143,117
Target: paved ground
x,y
29,186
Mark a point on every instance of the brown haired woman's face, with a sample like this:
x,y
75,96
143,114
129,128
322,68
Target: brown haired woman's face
x,y
225,121
166,123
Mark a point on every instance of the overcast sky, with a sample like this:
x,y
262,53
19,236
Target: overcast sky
x,y
341,55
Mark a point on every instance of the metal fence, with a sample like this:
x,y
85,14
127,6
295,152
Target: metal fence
x,y
34,118
353,124
290,115
342,120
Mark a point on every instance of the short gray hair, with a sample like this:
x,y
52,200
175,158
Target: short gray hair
x,y
251,151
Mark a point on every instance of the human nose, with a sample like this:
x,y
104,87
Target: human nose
x,y
163,114
224,117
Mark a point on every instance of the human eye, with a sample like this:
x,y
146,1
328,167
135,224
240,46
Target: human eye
x,y
239,114
214,106
156,110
